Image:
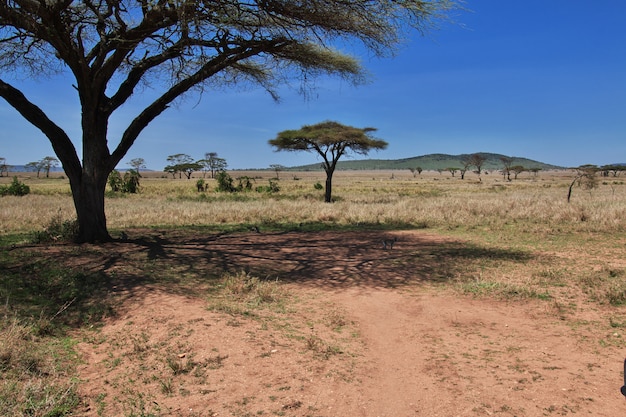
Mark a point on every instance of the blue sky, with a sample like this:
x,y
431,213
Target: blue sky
x,y
541,79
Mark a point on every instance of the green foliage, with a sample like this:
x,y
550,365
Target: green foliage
x,y
127,184
131,181
16,188
58,230
273,187
245,183
224,182
318,186
115,181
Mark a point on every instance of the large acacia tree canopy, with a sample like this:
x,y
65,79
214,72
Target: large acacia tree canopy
x,y
110,46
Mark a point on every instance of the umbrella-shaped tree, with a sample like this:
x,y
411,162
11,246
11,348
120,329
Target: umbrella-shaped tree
x,y
331,140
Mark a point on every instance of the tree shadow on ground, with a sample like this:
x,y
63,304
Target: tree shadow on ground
x,y
184,261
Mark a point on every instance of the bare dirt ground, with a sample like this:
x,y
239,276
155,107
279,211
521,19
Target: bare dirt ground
x,y
365,332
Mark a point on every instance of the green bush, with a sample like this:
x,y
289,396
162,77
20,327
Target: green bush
x,y
318,186
272,188
16,188
128,184
224,182
58,230
115,181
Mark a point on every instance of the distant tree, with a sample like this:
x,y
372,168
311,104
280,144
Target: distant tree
x,y
419,170
330,140
452,170
477,160
177,163
48,163
277,168
111,48
4,168
413,171
585,177
517,169
506,171
34,167
212,163
612,170
184,168
171,169
137,164
535,171
467,163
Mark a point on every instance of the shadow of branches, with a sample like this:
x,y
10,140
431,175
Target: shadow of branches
x,y
86,279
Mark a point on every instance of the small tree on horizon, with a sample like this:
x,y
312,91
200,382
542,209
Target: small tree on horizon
x,y
4,168
331,140
506,171
277,168
477,160
585,177
212,163
137,163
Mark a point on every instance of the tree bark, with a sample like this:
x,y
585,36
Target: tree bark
x,y
88,193
329,189
328,194
88,185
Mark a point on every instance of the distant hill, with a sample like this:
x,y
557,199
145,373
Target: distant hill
x,y
428,162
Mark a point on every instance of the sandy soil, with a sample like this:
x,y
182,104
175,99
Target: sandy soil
x,y
357,339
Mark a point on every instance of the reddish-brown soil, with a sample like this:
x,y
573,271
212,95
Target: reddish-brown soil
x,y
361,335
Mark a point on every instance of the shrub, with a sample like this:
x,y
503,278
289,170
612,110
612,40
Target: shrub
x,y
115,181
272,188
58,230
318,186
128,184
16,188
131,181
245,183
224,182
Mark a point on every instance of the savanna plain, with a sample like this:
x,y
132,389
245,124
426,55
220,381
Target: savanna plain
x,y
498,298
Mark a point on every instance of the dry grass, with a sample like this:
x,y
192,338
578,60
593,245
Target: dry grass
x,y
529,205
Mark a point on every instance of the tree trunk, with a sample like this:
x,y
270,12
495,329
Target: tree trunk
x,y
329,188
88,185
88,193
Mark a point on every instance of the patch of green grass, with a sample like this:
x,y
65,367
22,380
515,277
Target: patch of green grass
x,y
242,293
505,290
36,372
606,285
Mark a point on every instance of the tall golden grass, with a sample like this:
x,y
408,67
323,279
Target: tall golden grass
x,y
530,204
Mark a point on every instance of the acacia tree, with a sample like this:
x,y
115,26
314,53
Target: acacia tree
x,y
585,177
212,163
137,163
111,48
331,140
4,168
48,163
506,171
